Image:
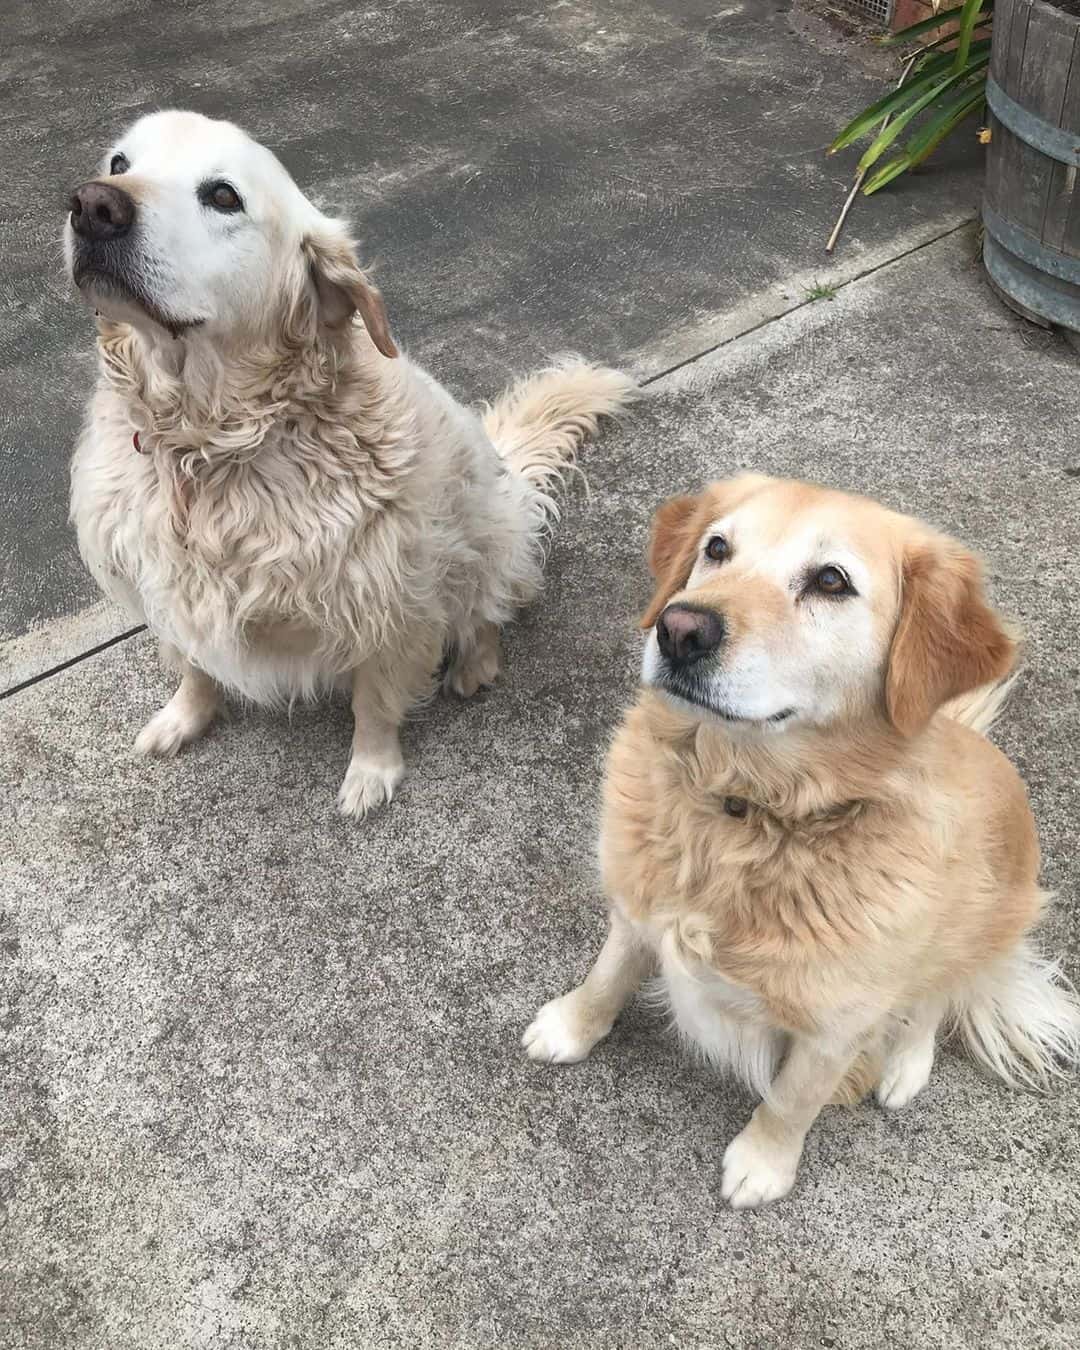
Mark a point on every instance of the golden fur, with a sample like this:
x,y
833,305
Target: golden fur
x,y
822,893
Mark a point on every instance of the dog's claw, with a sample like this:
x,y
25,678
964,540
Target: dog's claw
x,y
478,666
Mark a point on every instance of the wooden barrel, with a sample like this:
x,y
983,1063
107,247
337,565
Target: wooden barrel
x,y
1031,208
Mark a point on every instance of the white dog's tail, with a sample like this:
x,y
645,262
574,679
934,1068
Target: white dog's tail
x,y
538,423
980,708
1020,1018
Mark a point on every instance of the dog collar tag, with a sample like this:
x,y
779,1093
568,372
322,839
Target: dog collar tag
x,y
736,806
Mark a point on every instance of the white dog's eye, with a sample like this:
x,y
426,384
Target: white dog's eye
x,y
221,196
119,164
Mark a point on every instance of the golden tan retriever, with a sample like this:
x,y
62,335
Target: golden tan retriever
x,y
804,827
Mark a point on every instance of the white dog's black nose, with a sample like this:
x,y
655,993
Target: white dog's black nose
x,y
686,634
101,211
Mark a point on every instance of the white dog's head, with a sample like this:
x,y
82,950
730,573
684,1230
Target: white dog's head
x,y
780,604
194,228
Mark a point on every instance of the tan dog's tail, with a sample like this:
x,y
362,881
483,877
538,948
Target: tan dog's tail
x,y
538,423
982,707
1020,1018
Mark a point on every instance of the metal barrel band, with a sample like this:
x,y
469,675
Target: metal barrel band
x,y
1025,246
1018,280
1061,145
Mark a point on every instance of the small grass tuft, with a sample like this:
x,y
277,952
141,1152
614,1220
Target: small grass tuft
x,y
818,291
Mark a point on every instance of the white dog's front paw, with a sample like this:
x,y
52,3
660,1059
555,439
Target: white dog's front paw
x,y
757,1170
559,1034
905,1075
368,783
168,730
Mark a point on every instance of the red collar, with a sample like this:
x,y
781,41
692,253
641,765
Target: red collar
x,y
135,443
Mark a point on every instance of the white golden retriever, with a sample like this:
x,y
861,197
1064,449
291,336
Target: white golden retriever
x,y
286,501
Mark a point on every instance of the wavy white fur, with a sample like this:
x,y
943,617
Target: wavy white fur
x,y
309,508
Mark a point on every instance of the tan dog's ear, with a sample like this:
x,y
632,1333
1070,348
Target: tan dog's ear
x,y
342,288
947,641
672,550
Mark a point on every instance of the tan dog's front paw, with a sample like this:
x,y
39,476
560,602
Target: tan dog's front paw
x,y
906,1073
560,1034
368,783
757,1170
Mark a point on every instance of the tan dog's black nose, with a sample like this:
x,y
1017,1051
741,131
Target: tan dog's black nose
x,y
686,634
101,211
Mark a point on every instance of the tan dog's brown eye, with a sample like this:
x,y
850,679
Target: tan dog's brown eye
x,y
832,581
119,164
717,548
221,197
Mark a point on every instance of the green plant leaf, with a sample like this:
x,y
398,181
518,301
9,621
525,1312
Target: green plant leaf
x,y
905,102
929,137
904,35
893,101
889,134
968,19
943,60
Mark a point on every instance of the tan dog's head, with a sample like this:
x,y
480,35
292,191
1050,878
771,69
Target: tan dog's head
x,y
780,604
194,230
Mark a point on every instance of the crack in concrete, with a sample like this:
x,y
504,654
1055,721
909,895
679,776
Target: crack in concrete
x,y
802,304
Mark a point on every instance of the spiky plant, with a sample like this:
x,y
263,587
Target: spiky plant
x,y
945,80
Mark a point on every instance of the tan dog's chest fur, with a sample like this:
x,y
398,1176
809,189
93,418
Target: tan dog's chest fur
x,y
812,913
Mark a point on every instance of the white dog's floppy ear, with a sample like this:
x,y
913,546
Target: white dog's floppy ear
x,y
948,640
342,288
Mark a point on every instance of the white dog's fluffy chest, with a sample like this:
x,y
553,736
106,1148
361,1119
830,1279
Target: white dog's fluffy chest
x,y
268,576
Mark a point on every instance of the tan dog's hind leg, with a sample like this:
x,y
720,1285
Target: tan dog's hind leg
x,y
761,1162
911,1056
186,715
567,1028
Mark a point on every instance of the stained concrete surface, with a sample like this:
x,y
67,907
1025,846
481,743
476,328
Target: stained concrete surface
x,y
263,1087
613,176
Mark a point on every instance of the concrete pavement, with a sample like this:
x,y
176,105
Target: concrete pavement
x,y
263,1086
